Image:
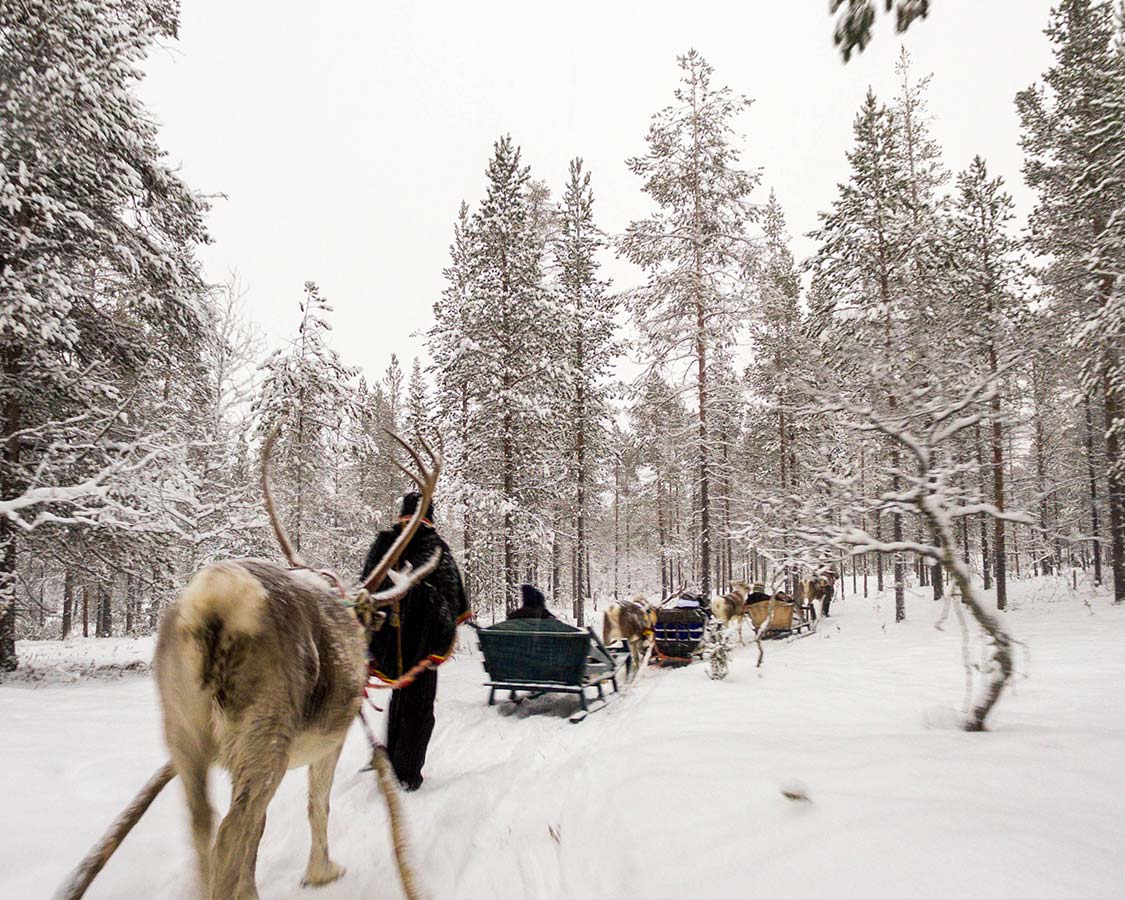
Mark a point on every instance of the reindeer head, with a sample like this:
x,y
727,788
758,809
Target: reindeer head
x,y
368,602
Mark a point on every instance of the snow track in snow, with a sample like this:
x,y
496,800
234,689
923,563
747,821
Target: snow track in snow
x,y
675,789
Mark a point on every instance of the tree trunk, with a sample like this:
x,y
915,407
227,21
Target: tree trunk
x,y
986,571
107,610
616,528
998,501
68,604
701,358
509,490
1115,465
879,556
9,487
1041,473
662,538
997,675
589,593
1094,524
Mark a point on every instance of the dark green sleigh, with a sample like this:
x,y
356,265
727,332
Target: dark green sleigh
x,y
544,656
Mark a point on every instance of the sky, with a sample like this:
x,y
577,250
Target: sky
x,y
338,139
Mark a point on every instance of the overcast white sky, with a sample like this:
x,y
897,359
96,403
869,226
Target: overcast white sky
x,y
345,134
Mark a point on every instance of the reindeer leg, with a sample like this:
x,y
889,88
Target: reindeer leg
x,y
321,869
193,773
192,752
259,762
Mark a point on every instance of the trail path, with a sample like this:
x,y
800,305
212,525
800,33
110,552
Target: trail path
x,y
673,790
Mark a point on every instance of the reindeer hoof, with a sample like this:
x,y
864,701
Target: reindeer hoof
x,y
316,876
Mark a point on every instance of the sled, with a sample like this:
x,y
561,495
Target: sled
x,y
678,635
786,619
534,657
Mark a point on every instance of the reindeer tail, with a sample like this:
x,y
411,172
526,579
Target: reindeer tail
x,y
222,607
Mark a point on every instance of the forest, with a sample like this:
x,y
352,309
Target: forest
x,y
935,396
741,437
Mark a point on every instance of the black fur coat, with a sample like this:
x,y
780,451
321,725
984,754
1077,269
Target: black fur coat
x,y
430,613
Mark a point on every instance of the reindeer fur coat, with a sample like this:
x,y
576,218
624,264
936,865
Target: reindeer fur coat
x,y
429,614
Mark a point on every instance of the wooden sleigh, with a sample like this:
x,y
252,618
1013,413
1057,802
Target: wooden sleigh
x,y
783,620
679,634
534,657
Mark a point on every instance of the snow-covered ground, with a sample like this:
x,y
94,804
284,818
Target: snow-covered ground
x,y
76,658
674,790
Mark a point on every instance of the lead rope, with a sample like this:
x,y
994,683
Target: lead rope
x,y
388,785
94,861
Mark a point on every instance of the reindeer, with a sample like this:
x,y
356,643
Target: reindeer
x,y
630,621
814,588
261,668
732,606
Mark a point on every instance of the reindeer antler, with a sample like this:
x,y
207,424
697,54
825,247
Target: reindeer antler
x,y
278,529
426,479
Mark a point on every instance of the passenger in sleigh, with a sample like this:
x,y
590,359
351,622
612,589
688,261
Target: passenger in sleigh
x,y
534,604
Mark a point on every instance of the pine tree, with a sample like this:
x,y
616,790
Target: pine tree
x,y
458,389
856,22
985,276
590,313
1072,138
502,344
866,258
418,414
392,383
308,390
660,422
91,220
781,356
694,247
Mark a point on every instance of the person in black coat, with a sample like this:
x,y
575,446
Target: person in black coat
x,y
425,628
534,604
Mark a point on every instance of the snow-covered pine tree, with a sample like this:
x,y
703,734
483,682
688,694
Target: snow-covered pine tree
x,y
782,354
661,423
308,391
728,404
694,247
88,204
985,277
393,385
857,21
510,331
418,412
458,387
864,264
1073,145
590,310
